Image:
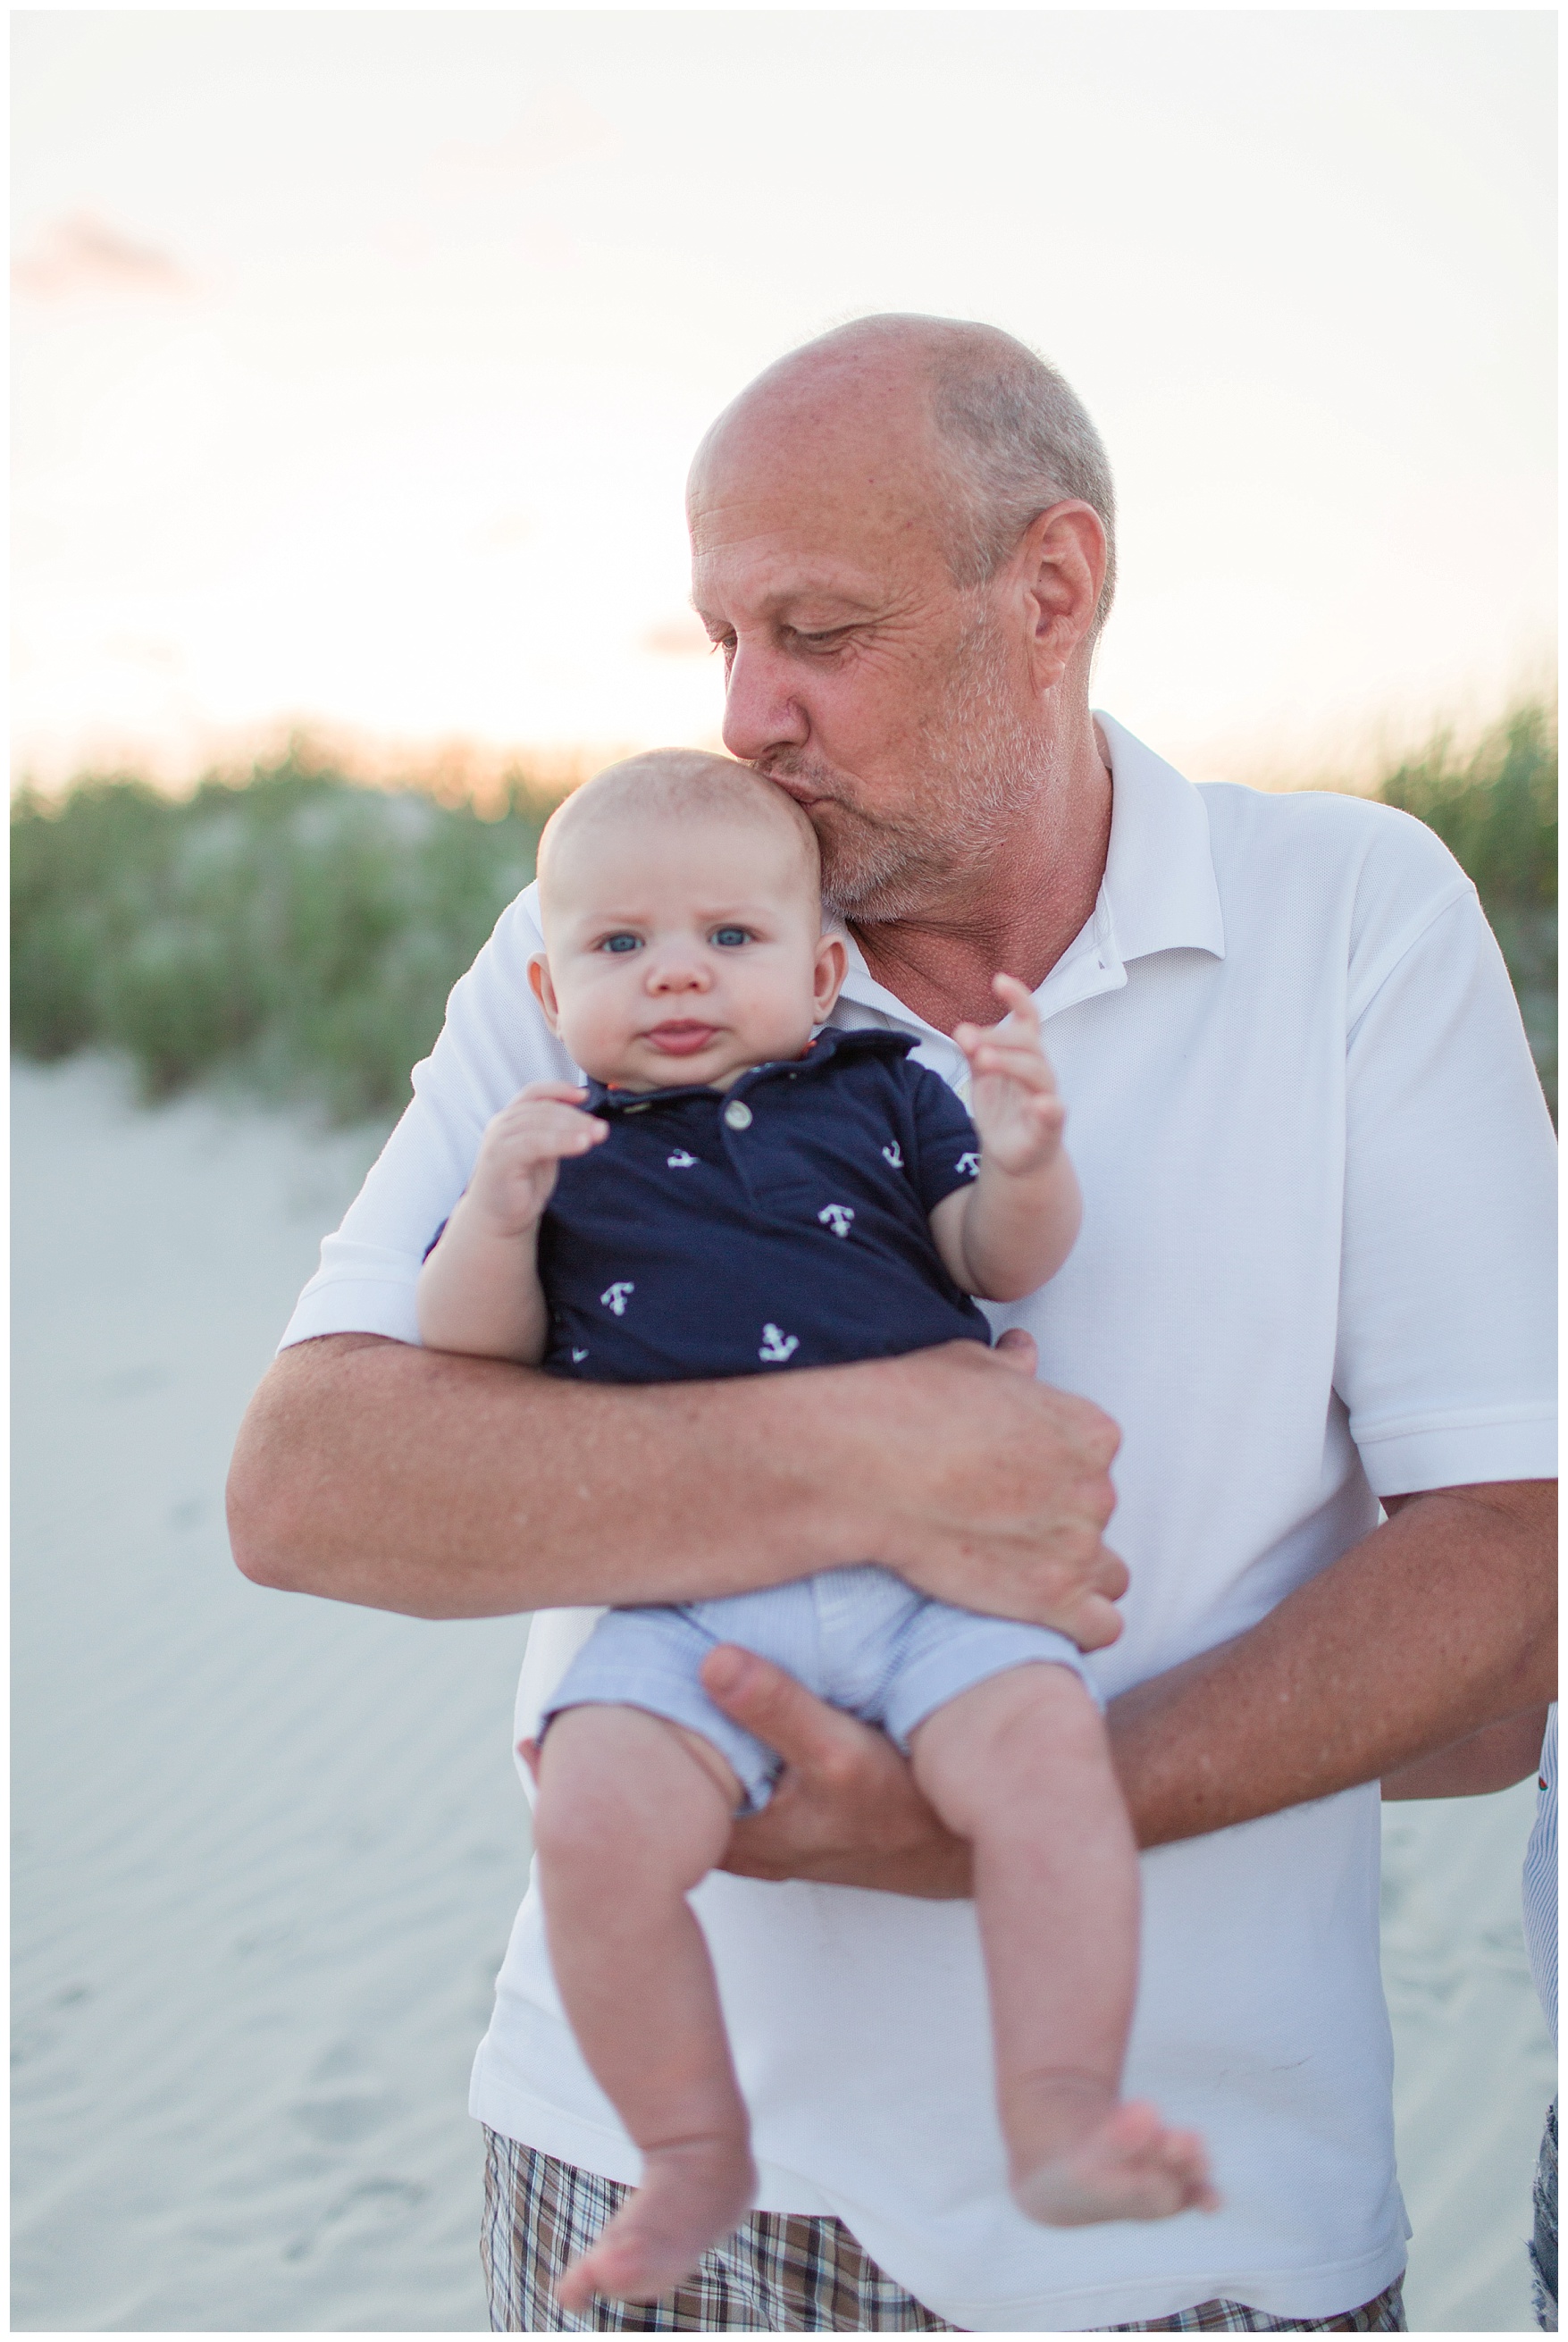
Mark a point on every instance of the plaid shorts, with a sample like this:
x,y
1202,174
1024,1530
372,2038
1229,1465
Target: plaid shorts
x,y
780,2273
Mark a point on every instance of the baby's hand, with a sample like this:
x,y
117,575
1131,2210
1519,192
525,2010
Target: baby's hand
x,y
1016,1109
514,1177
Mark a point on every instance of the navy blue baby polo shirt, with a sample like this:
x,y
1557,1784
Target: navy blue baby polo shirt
x,y
782,1222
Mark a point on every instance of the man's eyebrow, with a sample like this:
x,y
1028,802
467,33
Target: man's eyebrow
x,y
854,603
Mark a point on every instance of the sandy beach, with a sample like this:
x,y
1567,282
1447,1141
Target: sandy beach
x,y
267,1850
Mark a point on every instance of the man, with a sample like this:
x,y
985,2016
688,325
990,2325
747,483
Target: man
x,y
1317,1174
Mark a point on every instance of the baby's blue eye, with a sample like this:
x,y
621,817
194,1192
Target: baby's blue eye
x,y
619,943
728,938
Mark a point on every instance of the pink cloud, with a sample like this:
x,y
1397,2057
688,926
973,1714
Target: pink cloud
x,y
81,254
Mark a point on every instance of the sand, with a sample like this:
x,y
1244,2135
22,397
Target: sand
x,y
267,1850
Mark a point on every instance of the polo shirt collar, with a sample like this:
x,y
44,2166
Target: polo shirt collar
x,y
1159,892
1159,886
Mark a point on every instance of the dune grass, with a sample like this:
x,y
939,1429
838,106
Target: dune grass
x,y
290,929
298,933
1495,809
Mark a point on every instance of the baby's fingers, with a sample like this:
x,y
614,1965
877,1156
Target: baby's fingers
x,y
534,1093
562,1130
1019,1002
541,1130
1013,1064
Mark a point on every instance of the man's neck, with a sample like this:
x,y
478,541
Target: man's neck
x,y
1013,914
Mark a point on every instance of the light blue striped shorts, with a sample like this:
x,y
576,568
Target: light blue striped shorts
x,y
859,1637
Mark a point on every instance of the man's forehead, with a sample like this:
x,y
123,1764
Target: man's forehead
x,y
775,569
810,538
860,440
804,498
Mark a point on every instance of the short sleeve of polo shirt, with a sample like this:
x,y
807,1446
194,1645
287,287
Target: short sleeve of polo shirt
x,y
1447,1349
947,1146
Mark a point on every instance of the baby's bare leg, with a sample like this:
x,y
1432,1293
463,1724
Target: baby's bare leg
x,y
1021,1766
632,1812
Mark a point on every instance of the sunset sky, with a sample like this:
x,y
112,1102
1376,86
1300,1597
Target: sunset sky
x,y
358,356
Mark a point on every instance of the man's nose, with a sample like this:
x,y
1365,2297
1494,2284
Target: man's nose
x,y
762,711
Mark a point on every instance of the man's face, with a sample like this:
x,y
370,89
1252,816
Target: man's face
x,y
889,702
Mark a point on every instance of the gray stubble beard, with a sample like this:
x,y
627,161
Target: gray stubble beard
x,y
980,767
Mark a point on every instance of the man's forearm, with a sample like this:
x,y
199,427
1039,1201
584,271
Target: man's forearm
x,y
1435,1626
1493,1759
447,1487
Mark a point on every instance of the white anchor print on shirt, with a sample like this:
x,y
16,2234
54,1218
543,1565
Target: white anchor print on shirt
x,y
617,1297
969,1163
777,1347
578,1356
893,1154
836,1217
680,1160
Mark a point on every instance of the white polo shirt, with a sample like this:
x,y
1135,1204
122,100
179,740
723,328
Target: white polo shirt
x,y
1315,1268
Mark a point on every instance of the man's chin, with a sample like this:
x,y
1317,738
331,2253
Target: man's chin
x,y
865,878
877,896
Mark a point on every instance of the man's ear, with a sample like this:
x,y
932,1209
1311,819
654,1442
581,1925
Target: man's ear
x,y
544,991
1060,569
827,976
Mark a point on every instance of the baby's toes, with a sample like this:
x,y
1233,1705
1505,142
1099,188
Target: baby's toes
x,y
1186,2159
1136,2131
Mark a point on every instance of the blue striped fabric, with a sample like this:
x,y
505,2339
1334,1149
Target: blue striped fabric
x,y
1541,1880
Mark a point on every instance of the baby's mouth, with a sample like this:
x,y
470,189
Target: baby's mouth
x,y
680,1039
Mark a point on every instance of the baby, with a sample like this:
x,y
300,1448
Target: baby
x,y
730,1196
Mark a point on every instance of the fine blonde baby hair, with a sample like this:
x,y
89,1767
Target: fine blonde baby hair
x,y
679,784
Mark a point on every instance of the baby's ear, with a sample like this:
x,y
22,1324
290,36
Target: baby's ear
x,y
544,991
832,967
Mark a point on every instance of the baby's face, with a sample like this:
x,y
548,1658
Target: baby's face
x,y
683,950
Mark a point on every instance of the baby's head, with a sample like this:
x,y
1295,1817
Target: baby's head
x,y
681,901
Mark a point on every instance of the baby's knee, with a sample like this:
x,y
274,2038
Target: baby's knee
x,y
582,1819
1044,1714
1000,1741
622,1794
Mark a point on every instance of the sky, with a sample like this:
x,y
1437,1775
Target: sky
x,y
358,356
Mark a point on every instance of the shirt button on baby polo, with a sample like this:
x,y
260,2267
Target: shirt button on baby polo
x,y
738,1115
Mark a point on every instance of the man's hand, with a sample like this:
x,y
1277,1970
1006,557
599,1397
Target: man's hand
x,y
845,1810
1027,1545
1312,1701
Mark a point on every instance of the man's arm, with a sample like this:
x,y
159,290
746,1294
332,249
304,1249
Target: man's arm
x,y
1493,1759
447,1487
1440,1622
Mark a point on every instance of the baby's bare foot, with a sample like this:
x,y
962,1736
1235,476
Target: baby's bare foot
x,y
691,2196
1129,2166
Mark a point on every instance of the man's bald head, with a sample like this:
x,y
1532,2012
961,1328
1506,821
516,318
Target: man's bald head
x,y
680,785
989,434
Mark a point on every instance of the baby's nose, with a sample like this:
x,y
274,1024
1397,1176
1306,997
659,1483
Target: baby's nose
x,y
679,973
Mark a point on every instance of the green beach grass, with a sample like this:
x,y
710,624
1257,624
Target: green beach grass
x,y
295,932
1495,809
288,930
